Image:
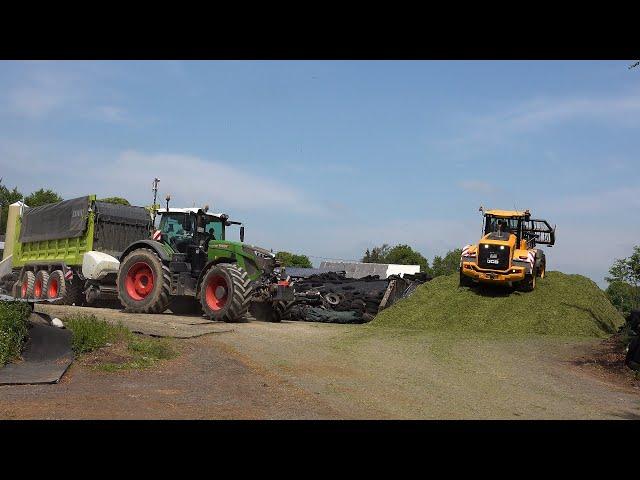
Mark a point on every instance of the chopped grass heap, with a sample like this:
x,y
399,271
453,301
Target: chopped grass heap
x,y
560,305
13,329
126,350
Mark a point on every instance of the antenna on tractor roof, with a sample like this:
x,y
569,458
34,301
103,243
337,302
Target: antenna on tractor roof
x,y
156,181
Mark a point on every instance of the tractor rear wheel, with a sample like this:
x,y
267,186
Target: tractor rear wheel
x,y
28,282
144,282
40,286
225,292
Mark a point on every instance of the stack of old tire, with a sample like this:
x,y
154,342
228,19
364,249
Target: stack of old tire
x,y
632,328
340,299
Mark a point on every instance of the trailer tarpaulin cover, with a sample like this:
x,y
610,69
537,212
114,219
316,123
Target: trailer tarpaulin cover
x,y
130,215
67,219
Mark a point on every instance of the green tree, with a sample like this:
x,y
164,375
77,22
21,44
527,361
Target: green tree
x,y
377,254
116,200
288,259
447,265
625,271
621,295
7,197
42,197
405,255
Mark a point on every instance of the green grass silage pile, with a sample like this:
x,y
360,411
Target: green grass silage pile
x,y
561,305
13,329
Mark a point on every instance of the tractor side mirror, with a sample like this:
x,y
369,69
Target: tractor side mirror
x,y
186,223
242,233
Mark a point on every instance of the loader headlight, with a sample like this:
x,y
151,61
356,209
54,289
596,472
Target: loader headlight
x,y
486,246
501,247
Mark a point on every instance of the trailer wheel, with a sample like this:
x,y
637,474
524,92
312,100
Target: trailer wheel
x,y
144,282
56,286
225,292
40,286
28,282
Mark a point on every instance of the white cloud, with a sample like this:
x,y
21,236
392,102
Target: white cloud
x,y
189,179
544,112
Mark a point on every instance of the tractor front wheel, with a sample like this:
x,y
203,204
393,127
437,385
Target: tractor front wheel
x,y
144,282
225,292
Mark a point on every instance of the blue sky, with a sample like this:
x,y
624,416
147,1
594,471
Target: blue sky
x,y
329,158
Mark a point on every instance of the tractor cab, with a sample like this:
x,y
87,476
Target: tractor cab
x,y
181,227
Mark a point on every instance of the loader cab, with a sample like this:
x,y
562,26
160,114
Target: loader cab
x,y
500,225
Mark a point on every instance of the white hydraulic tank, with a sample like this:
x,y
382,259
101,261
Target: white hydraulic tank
x,y
97,265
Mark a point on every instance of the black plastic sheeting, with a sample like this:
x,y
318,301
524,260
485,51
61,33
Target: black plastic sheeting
x,y
66,219
45,358
127,214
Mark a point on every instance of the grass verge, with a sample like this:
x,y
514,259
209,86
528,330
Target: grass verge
x,y
13,329
108,347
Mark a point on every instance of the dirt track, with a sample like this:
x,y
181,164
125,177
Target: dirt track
x,y
309,370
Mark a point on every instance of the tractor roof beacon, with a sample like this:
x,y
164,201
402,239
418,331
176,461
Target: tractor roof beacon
x,y
188,265
508,252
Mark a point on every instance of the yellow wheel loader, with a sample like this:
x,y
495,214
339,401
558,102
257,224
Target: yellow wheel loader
x,y
508,251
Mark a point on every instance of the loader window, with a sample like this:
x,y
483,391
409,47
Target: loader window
x,y
508,225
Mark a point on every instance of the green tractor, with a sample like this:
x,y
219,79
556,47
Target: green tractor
x,y
188,266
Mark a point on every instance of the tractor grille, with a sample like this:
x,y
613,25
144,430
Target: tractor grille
x,y
493,257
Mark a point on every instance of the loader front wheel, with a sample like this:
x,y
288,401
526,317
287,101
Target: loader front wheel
x,y
464,280
144,282
225,292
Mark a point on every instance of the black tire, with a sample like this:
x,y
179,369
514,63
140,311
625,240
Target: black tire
x,y
632,359
40,286
57,286
225,292
26,285
185,305
268,311
144,282
542,269
529,282
464,280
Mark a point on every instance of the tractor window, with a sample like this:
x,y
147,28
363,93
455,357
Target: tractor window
x,y
172,226
214,226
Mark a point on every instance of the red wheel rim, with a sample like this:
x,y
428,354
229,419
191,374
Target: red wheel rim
x,y
53,288
37,288
216,292
25,286
139,281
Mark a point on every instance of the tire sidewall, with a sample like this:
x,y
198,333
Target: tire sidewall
x,y
155,264
222,312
